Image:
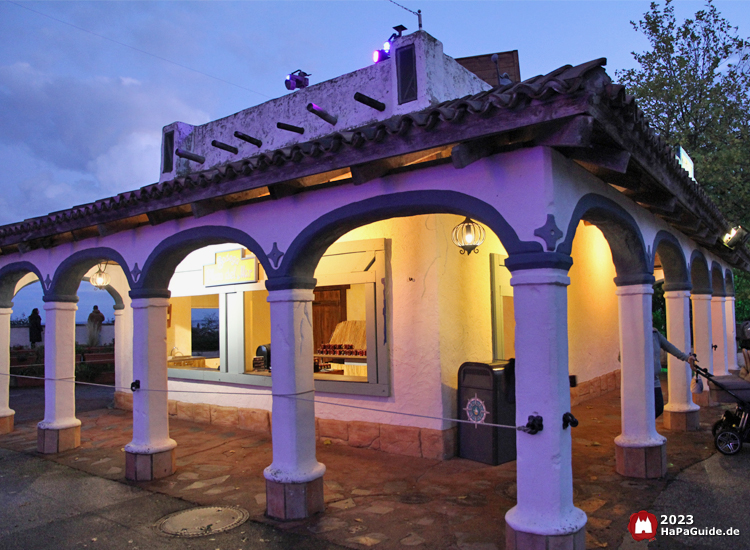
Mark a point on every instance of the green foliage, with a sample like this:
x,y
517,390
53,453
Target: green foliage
x,y
742,296
694,84
659,309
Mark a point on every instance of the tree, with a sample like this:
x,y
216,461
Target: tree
x,y
694,84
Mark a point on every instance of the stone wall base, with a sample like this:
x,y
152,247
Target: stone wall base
x,y
591,389
289,501
6,424
142,467
58,441
683,421
404,440
518,540
703,399
641,462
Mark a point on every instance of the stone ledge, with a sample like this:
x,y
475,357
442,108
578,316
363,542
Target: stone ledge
x,y
389,438
591,389
58,441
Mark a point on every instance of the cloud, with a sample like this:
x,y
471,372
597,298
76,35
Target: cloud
x,y
66,141
106,129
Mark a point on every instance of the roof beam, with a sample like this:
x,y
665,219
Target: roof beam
x,y
208,206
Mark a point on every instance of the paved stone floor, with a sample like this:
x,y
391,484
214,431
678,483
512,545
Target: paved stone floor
x,y
388,501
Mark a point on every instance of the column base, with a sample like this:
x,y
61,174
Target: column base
x,y
703,399
287,501
6,424
518,540
51,441
148,467
641,462
682,421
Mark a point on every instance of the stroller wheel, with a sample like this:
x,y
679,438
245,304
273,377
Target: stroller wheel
x,y
716,426
728,442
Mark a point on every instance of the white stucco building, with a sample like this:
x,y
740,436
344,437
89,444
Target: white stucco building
x,y
288,230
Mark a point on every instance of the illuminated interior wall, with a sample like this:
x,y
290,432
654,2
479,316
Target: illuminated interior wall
x,y
355,303
179,332
593,326
465,307
257,323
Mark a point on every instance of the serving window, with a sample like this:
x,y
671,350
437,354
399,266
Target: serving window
x,y
350,344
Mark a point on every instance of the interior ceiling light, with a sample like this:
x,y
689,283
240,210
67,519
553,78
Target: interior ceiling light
x,y
468,235
736,237
385,52
100,279
297,80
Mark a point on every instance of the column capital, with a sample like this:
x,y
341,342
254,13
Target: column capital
x,y
631,290
287,283
64,306
672,287
141,293
540,276
634,279
141,303
718,298
700,297
6,311
539,260
59,299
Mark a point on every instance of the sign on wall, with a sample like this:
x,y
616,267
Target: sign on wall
x,y
231,268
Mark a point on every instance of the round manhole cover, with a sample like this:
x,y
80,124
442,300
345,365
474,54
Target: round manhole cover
x,y
201,522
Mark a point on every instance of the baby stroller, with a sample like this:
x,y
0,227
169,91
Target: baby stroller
x,y
733,428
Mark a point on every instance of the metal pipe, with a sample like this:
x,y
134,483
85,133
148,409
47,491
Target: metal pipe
x,y
370,102
190,156
317,111
290,128
249,139
225,147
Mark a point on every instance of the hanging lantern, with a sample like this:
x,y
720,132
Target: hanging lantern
x,y
100,279
468,235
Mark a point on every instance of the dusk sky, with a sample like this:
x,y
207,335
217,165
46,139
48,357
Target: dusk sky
x,y
81,115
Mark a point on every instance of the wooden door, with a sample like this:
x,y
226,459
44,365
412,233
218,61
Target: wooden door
x,y
329,309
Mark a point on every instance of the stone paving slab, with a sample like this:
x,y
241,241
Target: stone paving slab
x,y
385,501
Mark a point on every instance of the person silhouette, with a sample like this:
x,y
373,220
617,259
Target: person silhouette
x,y
35,327
94,326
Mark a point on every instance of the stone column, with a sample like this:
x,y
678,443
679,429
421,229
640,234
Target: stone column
x,y
731,334
702,340
719,335
60,430
544,516
294,480
6,413
639,450
680,413
151,453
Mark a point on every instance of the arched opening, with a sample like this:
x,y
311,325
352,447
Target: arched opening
x,y
610,334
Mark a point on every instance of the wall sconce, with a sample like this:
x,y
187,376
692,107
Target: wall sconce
x,y
736,237
468,235
100,279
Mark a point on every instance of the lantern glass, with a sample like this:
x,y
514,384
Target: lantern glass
x,y
468,235
100,279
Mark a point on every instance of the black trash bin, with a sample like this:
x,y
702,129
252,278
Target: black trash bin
x,y
487,390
